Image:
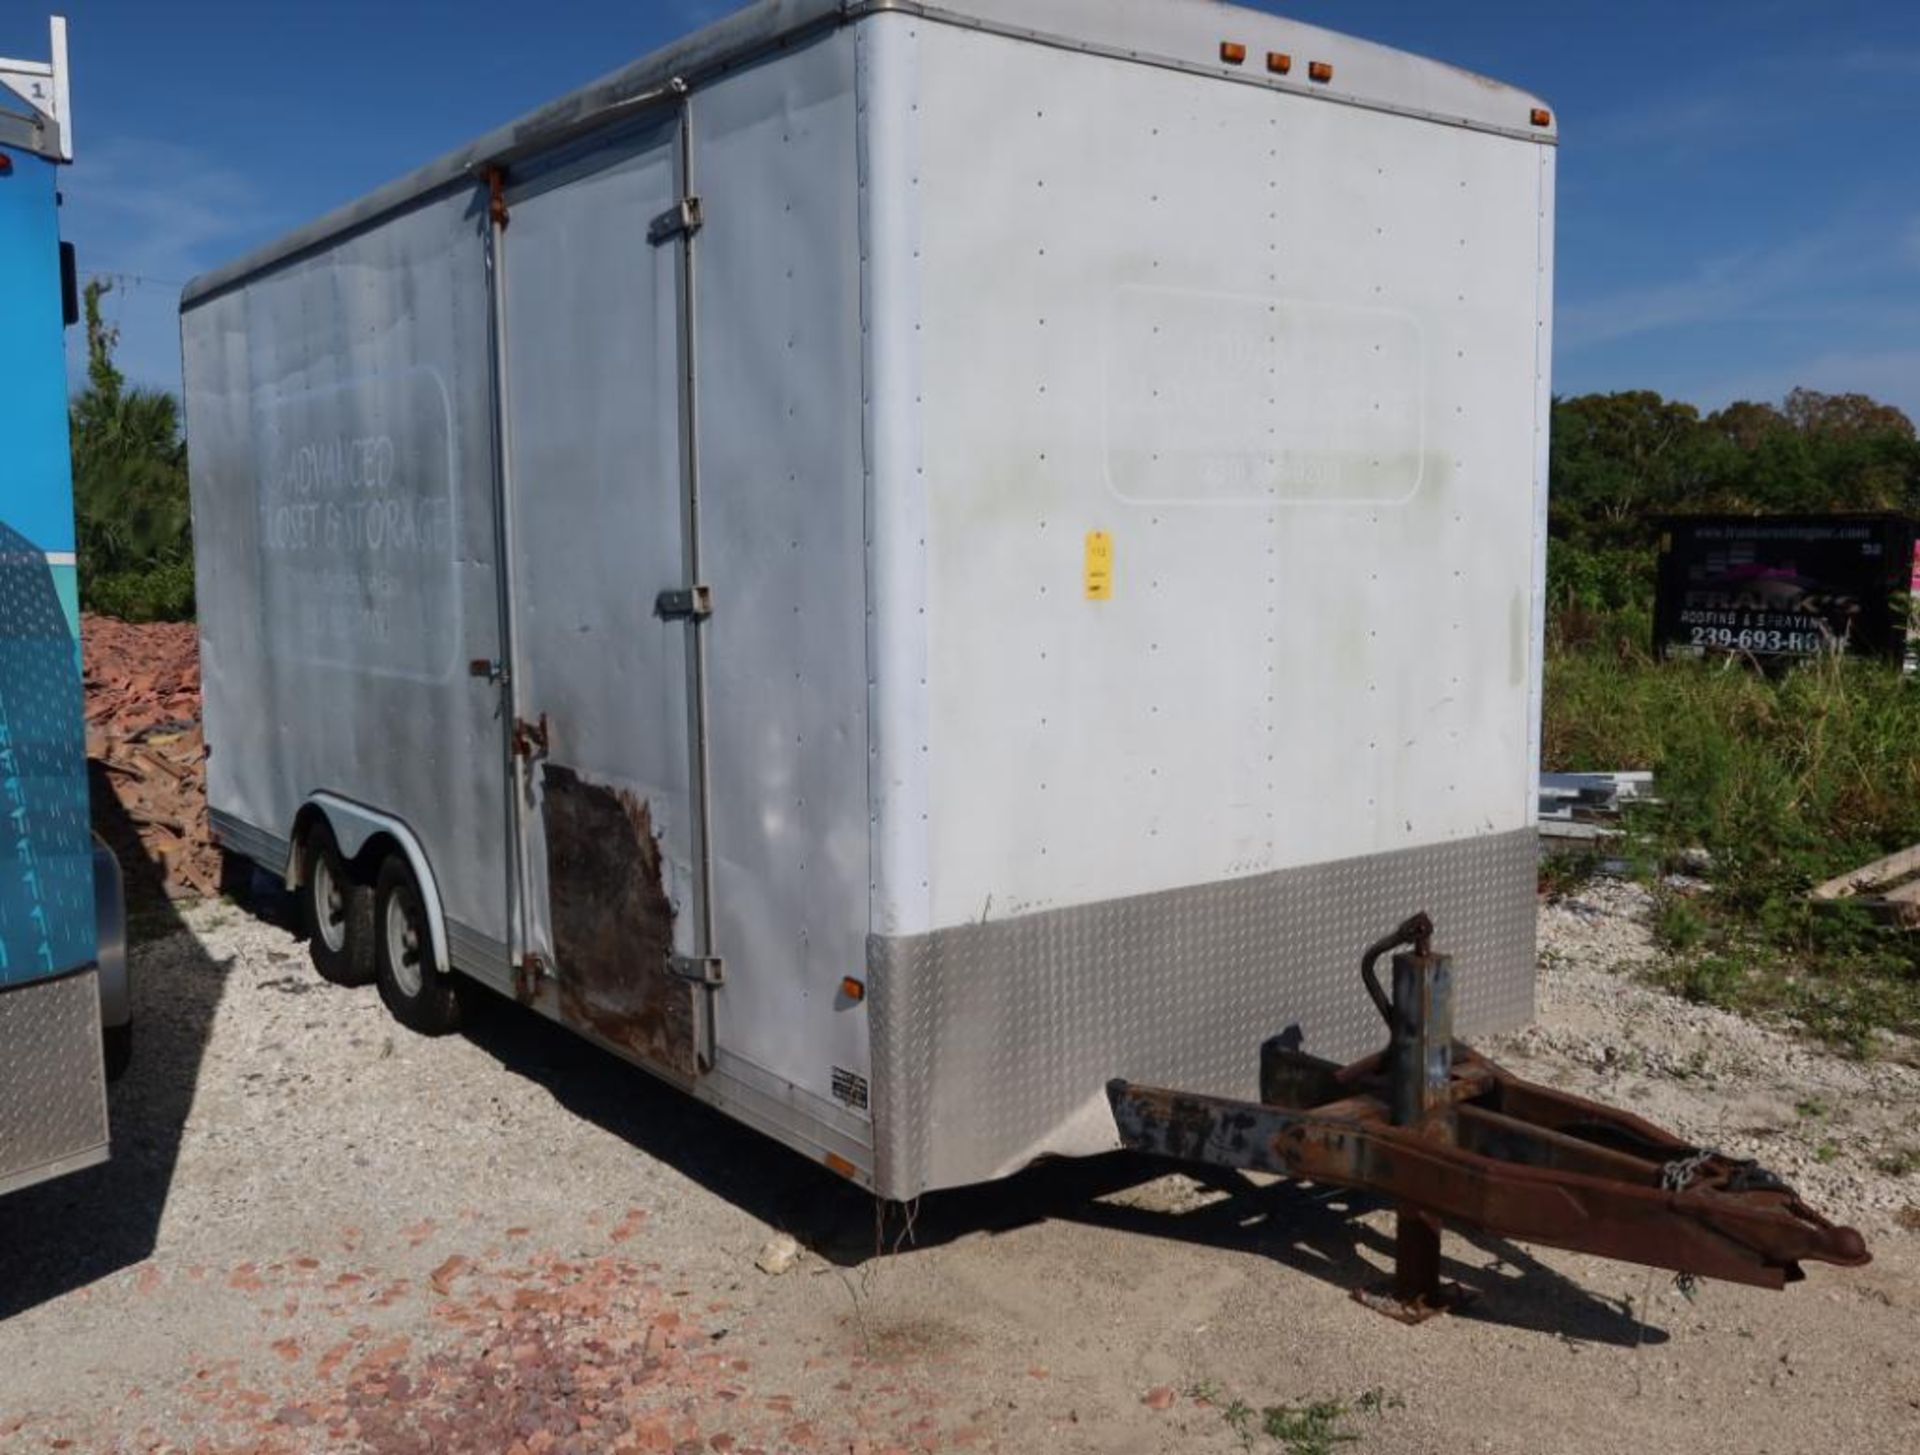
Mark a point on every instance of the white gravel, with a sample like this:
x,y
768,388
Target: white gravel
x,y
1826,1123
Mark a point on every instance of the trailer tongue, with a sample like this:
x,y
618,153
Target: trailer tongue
x,y
1453,1139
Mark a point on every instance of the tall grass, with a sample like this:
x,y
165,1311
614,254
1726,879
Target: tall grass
x,y
1785,782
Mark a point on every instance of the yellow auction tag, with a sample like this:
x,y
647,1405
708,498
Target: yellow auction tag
x,y
1099,566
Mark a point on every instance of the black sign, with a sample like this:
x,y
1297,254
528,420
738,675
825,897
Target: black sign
x,y
1784,586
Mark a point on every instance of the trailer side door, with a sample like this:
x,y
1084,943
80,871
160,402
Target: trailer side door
x,y
602,754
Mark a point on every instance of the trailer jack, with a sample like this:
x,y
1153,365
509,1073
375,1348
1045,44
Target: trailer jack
x,y
1451,1139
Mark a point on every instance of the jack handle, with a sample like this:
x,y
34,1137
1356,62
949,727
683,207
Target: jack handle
x,y
1417,932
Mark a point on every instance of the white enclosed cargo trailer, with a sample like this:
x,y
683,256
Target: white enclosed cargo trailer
x,y
892,562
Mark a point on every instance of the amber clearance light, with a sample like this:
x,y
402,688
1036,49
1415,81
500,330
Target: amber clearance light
x,y
1232,52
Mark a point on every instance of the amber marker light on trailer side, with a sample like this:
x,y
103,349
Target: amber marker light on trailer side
x,y
853,989
1542,116
1279,62
1320,71
1232,52
841,1165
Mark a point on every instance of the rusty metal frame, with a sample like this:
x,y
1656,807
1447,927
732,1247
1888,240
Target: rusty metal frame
x,y
1453,1139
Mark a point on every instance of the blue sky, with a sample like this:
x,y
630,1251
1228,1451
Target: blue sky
x,y
1739,181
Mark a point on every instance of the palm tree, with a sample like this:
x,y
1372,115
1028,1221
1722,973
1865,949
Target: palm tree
x,y
134,530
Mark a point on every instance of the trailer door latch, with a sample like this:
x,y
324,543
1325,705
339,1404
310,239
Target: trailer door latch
x,y
700,969
689,603
683,219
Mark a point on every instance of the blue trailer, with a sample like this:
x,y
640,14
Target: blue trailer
x,y
63,997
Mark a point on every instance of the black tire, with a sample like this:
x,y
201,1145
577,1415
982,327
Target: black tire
x,y
336,911
416,987
117,1044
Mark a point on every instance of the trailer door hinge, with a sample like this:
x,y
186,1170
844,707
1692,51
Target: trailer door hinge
x,y
683,219
700,969
687,603
527,976
497,196
530,738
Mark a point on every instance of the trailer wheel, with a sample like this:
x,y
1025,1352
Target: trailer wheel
x,y
417,989
337,911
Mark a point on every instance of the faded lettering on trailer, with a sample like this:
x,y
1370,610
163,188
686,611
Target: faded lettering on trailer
x,y
1340,391
358,520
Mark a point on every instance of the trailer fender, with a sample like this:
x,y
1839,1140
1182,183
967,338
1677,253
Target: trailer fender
x,y
354,826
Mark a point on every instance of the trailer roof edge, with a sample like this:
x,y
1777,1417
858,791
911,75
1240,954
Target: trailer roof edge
x,y
727,42
1185,35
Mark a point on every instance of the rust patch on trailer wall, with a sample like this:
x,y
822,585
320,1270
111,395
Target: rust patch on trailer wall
x,y
613,922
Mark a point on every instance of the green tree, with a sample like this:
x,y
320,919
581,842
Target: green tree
x,y
133,525
1851,415
1746,425
1622,461
1818,452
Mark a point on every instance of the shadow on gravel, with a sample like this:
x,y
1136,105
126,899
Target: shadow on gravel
x,y
1316,1231
66,1234
774,1183
1308,1230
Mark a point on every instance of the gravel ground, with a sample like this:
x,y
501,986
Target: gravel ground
x,y
1835,1128
322,1233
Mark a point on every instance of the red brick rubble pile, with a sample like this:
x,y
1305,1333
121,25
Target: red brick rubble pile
x,y
145,743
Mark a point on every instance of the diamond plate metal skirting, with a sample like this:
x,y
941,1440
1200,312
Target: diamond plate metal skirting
x,y
53,1096
993,1043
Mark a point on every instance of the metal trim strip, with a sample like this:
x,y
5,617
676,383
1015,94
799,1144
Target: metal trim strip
x,y
749,1094
774,1106
1542,463
58,1167
475,953
268,850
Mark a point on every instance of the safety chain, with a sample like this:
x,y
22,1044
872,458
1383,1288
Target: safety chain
x,y
1677,1176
